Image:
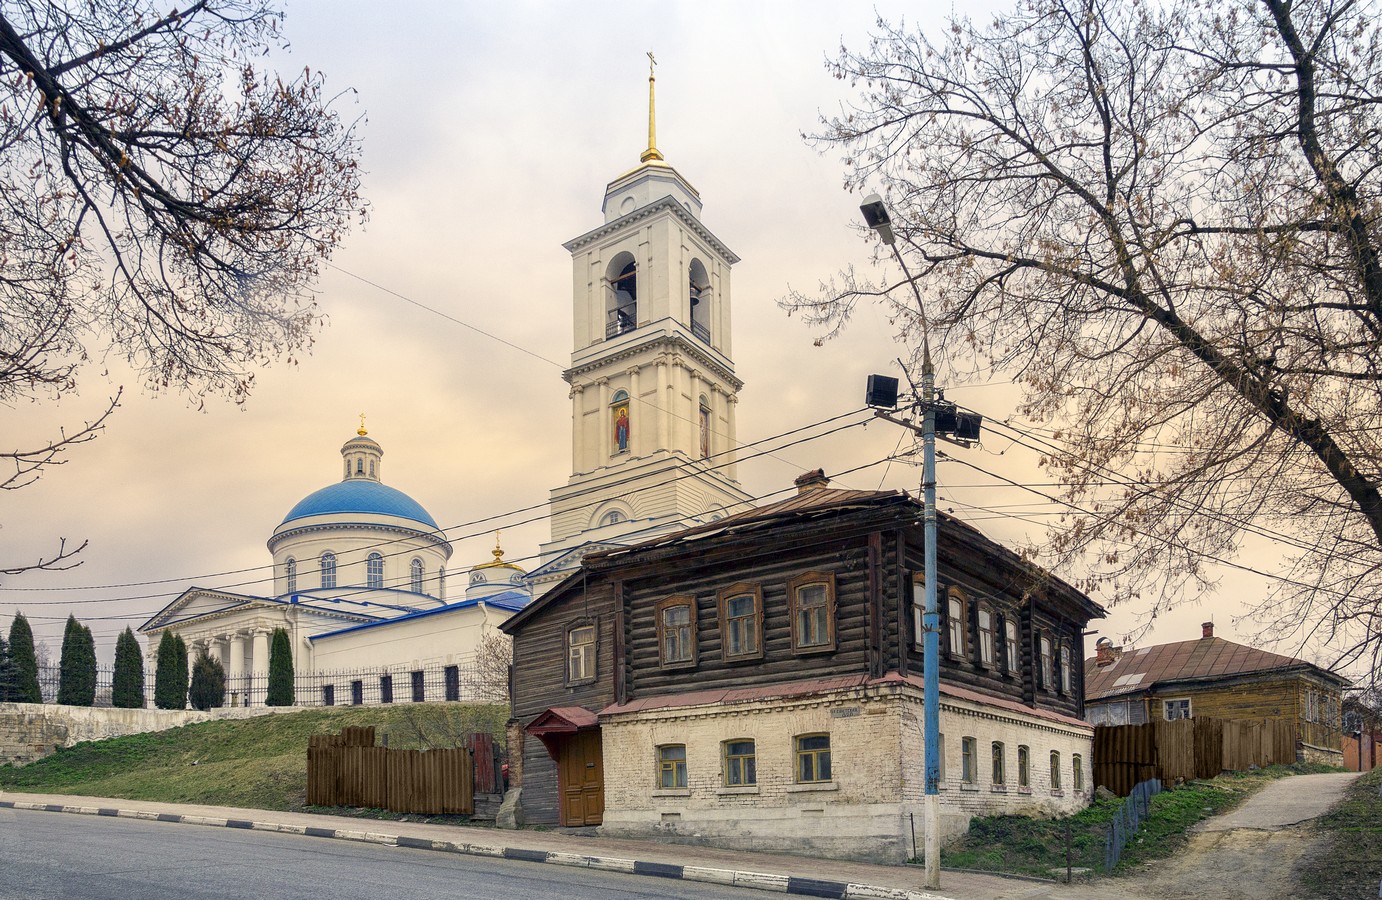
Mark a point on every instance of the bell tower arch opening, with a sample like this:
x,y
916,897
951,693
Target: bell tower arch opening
x,y
621,305
699,294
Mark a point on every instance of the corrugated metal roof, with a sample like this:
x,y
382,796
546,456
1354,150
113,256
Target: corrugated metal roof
x,y
1135,671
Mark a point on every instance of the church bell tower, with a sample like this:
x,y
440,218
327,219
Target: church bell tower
x,y
653,389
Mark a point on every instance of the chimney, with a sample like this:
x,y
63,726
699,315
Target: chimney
x,y
811,480
1105,654
1207,630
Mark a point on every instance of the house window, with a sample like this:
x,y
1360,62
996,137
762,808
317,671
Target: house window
x,y
1047,678
292,571
1024,766
419,691
328,695
1077,773
740,763
956,622
999,775
580,654
986,650
1055,770
415,570
969,749
1012,654
813,611
676,631
741,621
328,568
671,766
374,571
357,693
813,758
451,675
919,611
1065,670
386,689
1177,709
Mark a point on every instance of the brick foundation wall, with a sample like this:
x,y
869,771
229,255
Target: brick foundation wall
x,y
866,811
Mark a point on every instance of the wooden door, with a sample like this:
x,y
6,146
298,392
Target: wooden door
x,y
582,783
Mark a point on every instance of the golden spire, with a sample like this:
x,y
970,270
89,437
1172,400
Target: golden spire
x,y
652,152
497,551
362,432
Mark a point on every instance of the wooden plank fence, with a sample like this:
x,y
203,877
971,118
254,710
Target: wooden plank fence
x,y
346,769
1125,755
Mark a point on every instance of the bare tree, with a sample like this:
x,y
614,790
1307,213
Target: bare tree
x,y
493,659
162,199
1162,220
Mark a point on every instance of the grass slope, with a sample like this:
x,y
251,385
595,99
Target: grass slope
x,y
1023,846
259,763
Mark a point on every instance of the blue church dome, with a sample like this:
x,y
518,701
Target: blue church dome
x,y
360,496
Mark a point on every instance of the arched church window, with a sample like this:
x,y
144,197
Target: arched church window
x,y
328,563
699,290
619,415
622,305
613,517
371,468
291,571
359,465
416,568
704,419
374,571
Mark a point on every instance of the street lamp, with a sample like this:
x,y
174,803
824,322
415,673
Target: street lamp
x,y
876,215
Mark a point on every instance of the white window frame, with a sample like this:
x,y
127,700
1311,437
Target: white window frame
x,y
1188,709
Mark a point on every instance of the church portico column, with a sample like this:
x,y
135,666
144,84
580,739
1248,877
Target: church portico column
x,y
259,666
235,672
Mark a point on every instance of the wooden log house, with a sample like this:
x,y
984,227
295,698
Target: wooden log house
x,y
756,682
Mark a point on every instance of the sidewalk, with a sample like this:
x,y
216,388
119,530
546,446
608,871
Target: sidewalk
x,y
772,872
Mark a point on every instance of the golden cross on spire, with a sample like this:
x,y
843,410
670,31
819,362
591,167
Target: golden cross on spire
x,y
497,551
362,432
652,152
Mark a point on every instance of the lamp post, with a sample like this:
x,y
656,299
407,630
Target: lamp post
x,y
876,215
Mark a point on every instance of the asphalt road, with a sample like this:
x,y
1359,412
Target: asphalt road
x,y
52,855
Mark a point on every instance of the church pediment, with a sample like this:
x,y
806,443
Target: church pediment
x,y
196,603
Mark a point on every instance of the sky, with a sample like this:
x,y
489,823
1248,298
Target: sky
x,y
489,133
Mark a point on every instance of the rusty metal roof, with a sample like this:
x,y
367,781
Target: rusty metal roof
x,y
1137,671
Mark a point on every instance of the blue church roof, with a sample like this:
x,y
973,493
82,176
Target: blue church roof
x,y
360,496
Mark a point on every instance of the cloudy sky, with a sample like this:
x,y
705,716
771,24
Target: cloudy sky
x,y
490,131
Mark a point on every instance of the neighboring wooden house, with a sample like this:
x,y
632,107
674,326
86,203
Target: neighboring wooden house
x,y
755,682
1215,678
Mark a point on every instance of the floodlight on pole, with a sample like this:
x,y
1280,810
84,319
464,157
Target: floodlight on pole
x,y
876,215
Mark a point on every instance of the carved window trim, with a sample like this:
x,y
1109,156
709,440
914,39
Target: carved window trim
x,y
754,621
794,588
988,652
665,636
956,623
589,656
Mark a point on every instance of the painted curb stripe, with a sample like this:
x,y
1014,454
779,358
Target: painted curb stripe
x,y
525,855
791,884
658,870
812,887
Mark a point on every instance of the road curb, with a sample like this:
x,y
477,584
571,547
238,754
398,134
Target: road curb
x,y
782,884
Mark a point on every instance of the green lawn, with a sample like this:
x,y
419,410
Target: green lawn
x,y
259,762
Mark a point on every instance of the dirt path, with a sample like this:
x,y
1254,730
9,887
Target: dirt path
x,y
1250,853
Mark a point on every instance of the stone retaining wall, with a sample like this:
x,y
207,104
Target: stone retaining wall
x,y
31,731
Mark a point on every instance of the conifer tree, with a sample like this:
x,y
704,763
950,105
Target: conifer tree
x,y
24,661
77,669
6,671
208,689
281,691
127,684
170,676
